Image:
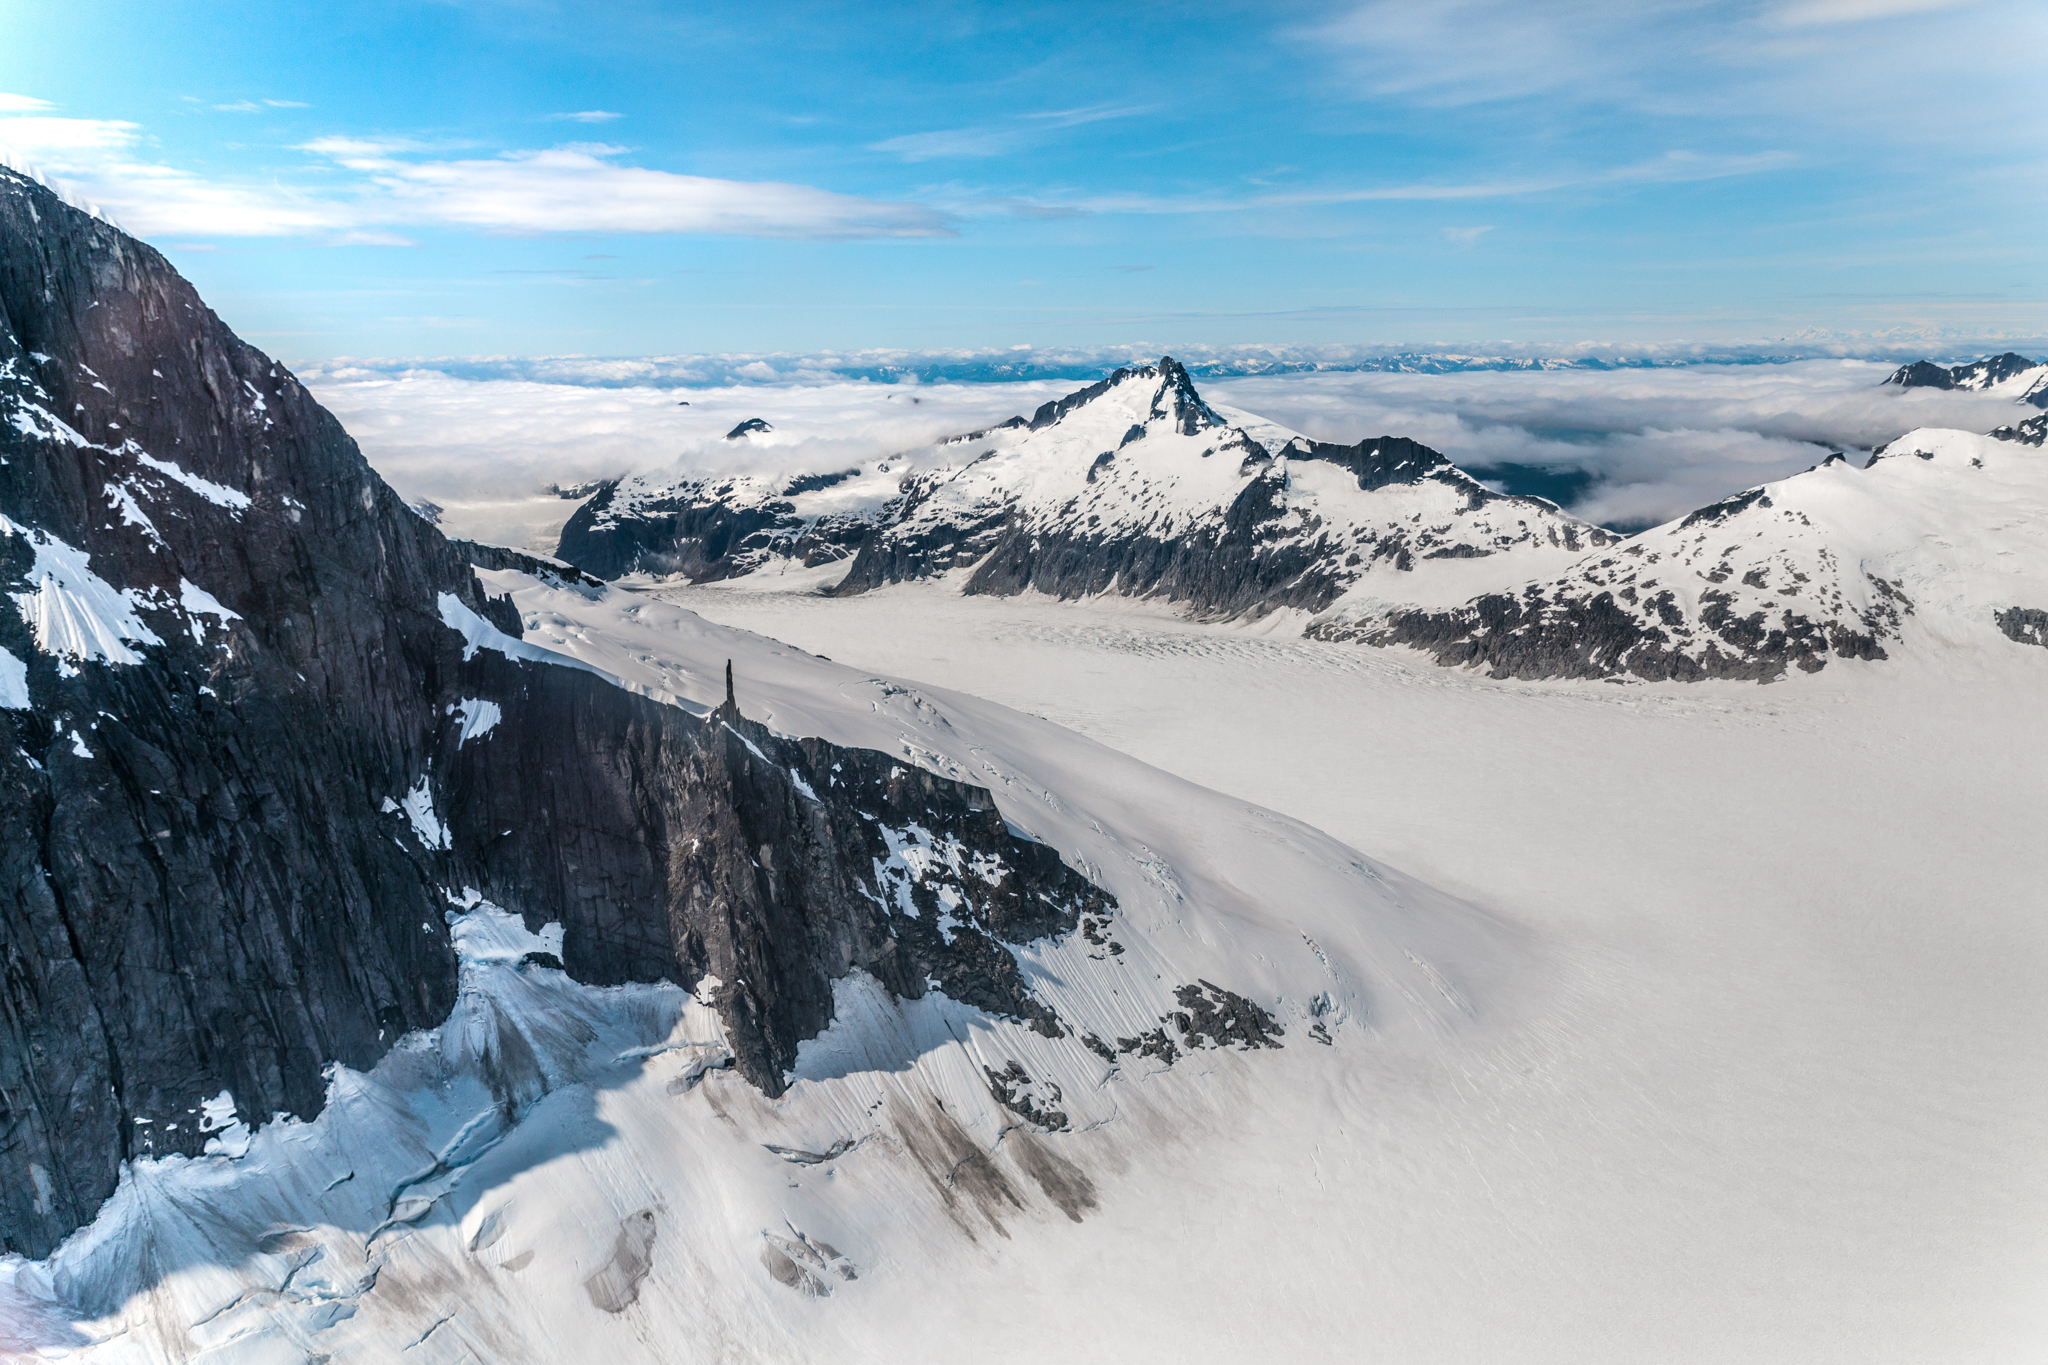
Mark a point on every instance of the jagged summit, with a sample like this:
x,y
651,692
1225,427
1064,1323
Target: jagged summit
x,y
1174,400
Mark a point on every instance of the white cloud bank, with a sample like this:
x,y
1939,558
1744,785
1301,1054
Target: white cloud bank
x,y
1651,444
485,450
394,185
1646,445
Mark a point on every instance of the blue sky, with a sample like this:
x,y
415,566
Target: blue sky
x,y
538,178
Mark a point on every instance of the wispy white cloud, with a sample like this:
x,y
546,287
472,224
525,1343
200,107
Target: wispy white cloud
x,y
952,142
68,141
586,116
1805,12
22,104
370,153
1000,139
1093,113
1927,70
248,106
1457,52
1671,168
403,183
1466,236
583,188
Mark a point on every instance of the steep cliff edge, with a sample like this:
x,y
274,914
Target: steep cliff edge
x,y
260,725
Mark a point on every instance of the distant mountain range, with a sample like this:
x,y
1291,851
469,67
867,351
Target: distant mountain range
x,y
1078,364
1136,486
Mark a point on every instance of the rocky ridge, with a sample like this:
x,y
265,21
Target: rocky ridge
x,y
708,529
262,728
1940,532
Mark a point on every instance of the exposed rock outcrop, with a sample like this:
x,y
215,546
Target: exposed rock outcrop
x,y
260,726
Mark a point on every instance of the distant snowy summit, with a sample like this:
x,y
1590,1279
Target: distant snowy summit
x,y
2025,380
1133,485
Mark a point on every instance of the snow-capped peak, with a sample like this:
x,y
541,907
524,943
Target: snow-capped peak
x,y
1160,392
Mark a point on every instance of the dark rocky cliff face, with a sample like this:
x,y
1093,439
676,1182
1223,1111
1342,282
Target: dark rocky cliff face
x,y
241,773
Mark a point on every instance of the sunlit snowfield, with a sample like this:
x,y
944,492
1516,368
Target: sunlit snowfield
x,y
1785,1098
1734,1053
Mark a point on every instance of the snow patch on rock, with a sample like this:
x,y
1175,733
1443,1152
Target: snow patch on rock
x,y
478,718
75,613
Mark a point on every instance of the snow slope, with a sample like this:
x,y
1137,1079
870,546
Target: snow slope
x,y
1787,1106
636,1200
1747,1073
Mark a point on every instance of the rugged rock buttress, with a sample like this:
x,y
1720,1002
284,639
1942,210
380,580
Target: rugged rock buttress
x,y
259,724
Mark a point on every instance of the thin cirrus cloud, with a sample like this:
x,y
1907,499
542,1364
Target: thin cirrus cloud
x,y
586,116
400,184
1834,65
1000,139
1673,167
1805,12
947,143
